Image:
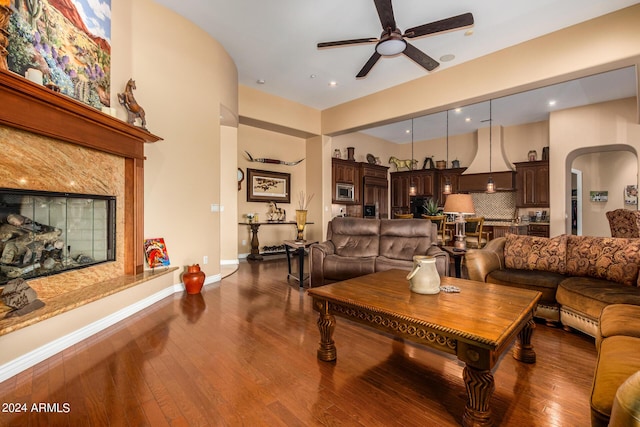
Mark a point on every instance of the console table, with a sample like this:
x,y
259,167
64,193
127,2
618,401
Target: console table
x,y
255,243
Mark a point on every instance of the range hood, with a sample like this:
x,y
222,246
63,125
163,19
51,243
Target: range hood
x,y
495,148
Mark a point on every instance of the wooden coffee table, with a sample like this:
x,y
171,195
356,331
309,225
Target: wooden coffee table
x,y
477,325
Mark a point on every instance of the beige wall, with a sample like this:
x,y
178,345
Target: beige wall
x,y
274,113
603,127
183,78
608,171
229,195
261,143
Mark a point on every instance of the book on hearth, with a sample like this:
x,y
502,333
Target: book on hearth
x,y
155,251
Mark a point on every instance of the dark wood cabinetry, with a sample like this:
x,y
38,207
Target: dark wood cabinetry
x,y
540,230
425,181
345,172
532,184
477,182
428,182
375,188
448,175
370,186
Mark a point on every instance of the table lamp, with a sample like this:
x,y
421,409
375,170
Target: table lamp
x,y
460,205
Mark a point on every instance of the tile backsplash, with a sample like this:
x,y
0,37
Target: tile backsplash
x,y
498,205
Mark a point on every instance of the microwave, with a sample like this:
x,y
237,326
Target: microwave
x,y
344,193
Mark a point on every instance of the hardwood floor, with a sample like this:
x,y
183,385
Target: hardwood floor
x,y
243,353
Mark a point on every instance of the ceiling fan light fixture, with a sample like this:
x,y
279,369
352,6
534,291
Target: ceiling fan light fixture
x,y
391,46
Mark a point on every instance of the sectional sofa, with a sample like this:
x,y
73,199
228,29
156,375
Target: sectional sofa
x,y
577,275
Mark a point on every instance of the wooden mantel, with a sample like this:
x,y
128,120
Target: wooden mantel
x,y
34,108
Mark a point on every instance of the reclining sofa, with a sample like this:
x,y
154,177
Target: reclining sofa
x,y
358,246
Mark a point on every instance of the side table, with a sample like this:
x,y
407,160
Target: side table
x,y
457,255
299,247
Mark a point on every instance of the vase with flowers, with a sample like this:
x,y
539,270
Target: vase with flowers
x,y
301,214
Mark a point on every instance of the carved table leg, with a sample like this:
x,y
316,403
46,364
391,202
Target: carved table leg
x,y
255,244
480,387
326,324
523,350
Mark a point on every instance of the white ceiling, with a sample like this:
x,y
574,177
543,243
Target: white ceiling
x,y
275,40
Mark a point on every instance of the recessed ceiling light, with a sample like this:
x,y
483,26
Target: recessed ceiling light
x,y
468,119
468,32
260,81
333,83
407,131
552,103
448,57
312,76
458,110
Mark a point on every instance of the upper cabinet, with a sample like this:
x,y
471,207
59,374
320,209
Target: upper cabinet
x,y
344,171
532,184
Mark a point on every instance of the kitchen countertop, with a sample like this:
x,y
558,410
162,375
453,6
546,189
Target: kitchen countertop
x,y
508,223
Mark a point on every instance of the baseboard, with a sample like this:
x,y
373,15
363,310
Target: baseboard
x,y
229,262
36,356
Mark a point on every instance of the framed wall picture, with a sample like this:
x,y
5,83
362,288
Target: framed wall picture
x,y
267,186
631,195
599,196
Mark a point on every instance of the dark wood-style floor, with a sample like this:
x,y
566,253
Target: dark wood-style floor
x,y
244,354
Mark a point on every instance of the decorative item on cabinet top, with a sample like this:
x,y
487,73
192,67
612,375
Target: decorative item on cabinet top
x,y
407,163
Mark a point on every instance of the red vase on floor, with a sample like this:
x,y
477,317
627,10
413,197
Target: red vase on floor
x,y
193,279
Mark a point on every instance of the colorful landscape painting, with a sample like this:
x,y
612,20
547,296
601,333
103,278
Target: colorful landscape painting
x,y
69,41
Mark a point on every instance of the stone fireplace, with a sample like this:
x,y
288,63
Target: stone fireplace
x,y
52,143
44,233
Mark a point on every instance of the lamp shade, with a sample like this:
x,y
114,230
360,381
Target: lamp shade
x,y
459,204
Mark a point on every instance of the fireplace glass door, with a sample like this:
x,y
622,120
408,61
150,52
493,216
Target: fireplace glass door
x,y
44,233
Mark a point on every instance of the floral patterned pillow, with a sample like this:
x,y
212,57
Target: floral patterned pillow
x,y
609,258
536,253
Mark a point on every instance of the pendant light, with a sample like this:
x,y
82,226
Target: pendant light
x,y
447,182
412,187
491,187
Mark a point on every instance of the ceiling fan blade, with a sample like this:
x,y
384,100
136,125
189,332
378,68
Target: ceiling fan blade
x,y
447,24
346,42
369,65
421,58
385,12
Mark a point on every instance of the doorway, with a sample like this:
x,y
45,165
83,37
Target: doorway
x,y
576,202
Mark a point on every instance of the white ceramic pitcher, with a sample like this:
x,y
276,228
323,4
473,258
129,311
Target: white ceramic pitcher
x,y
424,278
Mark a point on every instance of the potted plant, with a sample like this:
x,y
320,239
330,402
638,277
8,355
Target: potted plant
x,y
430,207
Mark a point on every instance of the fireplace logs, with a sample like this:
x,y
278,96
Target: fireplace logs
x,y
26,245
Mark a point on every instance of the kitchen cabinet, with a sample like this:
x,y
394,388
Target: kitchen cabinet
x,y
345,172
540,230
503,230
477,182
428,182
532,184
453,176
399,191
375,188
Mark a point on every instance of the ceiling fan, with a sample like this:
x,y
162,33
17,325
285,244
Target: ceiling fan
x,y
392,41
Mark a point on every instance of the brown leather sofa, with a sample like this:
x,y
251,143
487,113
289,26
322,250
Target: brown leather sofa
x,y
577,275
358,246
616,384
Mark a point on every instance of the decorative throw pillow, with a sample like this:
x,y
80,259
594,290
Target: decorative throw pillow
x,y
610,258
536,253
